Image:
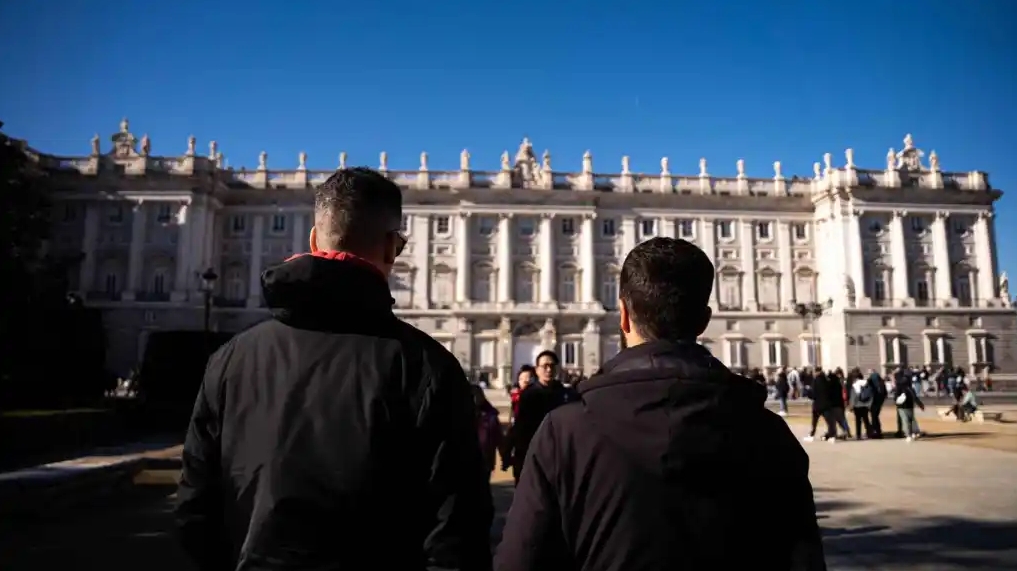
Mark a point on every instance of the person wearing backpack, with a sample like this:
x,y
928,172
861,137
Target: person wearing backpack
x,y
860,400
879,394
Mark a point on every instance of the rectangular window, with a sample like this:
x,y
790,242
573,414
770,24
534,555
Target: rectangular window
x,y
763,230
648,228
811,352
735,349
568,227
486,353
486,226
922,290
607,228
116,214
567,290
800,232
878,290
725,229
609,292
278,223
238,223
442,226
686,229
891,350
773,351
570,354
164,214
527,227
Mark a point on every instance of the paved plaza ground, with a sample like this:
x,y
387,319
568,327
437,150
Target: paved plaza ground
x,y
945,503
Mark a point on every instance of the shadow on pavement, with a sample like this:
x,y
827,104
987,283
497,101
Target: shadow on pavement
x,y
501,492
128,531
932,543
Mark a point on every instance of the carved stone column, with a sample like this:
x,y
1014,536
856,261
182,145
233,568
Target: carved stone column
x,y
254,265
986,288
136,261
943,295
505,351
592,359
787,279
748,261
505,259
589,263
464,343
898,257
708,243
856,266
547,258
86,277
185,231
299,241
463,259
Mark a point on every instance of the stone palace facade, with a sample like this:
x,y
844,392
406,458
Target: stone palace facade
x,y
897,264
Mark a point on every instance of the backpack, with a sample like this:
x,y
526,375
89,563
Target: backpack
x,y
865,395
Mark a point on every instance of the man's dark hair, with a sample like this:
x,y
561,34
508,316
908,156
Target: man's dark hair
x,y
548,353
355,208
665,284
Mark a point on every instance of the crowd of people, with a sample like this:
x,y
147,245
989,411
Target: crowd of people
x,y
336,436
833,393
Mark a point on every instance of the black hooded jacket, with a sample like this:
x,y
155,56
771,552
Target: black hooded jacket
x,y
330,431
667,461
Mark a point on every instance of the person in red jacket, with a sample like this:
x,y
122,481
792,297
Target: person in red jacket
x,y
523,379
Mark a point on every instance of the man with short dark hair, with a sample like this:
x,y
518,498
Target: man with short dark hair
x,y
668,460
336,428
539,399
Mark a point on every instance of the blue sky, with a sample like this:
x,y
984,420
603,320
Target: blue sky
x,y
723,80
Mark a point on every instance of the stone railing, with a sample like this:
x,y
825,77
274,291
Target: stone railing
x,y
903,169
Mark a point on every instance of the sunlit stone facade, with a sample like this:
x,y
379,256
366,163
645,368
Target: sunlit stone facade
x,y
503,264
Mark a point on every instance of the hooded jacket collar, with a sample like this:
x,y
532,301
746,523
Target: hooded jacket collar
x,y
325,290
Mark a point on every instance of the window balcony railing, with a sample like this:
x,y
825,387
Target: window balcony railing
x,y
103,296
152,296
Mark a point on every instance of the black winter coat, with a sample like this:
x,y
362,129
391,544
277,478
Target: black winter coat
x,y
667,461
331,430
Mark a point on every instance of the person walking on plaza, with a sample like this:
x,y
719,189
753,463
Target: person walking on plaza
x,y
489,429
907,399
825,398
783,387
648,468
879,393
524,378
539,398
334,424
860,401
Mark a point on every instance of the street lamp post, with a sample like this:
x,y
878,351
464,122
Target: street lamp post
x,y
208,278
810,312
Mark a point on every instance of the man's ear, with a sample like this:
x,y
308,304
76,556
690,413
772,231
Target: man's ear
x,y
624,319
313,240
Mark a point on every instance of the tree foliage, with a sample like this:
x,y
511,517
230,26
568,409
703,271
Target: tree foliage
x,y
34,308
